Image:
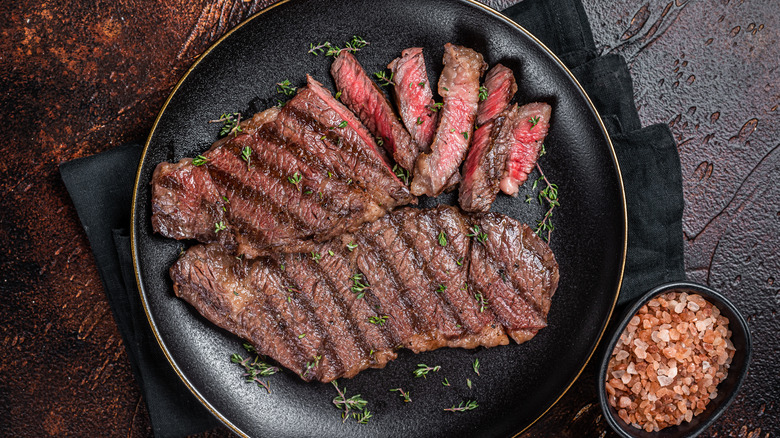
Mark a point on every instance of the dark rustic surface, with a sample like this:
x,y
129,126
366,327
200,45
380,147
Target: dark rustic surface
x,y
78,78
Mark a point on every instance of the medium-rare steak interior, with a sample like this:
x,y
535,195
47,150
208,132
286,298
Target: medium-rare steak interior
x,y
417,279
310,172
414,97
437,171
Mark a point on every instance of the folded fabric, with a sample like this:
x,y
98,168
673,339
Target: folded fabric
x,y
101,187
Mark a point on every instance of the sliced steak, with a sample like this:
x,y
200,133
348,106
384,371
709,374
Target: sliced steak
x,y
459,87
306,173
419,279
485,162
368,101
501,87
414,97
529,134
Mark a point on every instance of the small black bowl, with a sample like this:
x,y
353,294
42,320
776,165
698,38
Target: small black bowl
x,y
727,389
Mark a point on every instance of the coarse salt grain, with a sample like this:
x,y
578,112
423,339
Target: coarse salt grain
x,y
673,354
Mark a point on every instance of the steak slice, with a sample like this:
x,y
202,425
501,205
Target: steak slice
x,y
419,279
501,87
529,133
485,163
459,87
414,97
306,173
368,101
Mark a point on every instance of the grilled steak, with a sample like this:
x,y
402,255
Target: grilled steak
x,y
351,302
311,171
459,87
529,133
484,162
365,98
414,97
501,87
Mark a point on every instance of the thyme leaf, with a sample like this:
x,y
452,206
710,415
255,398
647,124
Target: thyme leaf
x,y
483,93
199,160
423,370
464,406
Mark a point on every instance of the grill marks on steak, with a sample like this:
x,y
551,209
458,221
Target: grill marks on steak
x,y
368,101
421,295
414,97
515,271
344,181
459,87
528,134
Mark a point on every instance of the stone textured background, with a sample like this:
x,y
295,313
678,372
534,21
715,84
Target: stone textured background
x,y
77,78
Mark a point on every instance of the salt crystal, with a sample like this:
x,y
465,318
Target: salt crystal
x,y
622,354
672,372
640,353
693,306
618,373
664,380
664,335
625,378
631,369
624,402
679,307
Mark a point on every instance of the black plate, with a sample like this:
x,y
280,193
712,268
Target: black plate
x,y
518,383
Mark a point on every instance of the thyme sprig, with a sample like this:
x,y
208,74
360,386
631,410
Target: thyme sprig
x,y
483,93
199,160
548,195
316,256
352,246
295,179
442,238
533,121
383,79
401,173
254,368
378,320
354,406
404,394
329,49
231,123
246,155
285,87
475,233
358,285
423,370
310,365
219,226
464,406
481,300
475,365
435,107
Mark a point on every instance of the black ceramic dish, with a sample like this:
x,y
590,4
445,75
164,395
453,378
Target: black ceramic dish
x,y
517,383
727,389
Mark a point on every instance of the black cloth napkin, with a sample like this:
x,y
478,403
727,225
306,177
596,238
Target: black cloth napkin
x,y
101,187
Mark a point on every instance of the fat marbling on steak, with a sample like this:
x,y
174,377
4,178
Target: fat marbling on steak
x,y
309,172
414,97
352,302
366,100
437,171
